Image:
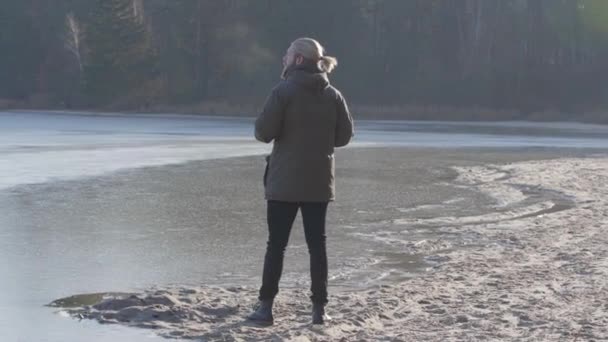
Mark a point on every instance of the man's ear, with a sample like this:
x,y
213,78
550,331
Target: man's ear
x,y
299,60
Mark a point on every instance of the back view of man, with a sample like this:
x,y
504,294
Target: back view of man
x,y
307,119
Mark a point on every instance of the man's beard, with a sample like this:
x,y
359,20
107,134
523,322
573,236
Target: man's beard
x,y
286,68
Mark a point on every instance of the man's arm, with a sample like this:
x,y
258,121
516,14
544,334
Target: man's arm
x,y
269,122
344,124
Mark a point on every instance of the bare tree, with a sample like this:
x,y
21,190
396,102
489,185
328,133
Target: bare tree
x,y
73,38
138,10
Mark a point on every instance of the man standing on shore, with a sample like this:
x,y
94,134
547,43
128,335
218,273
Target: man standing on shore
x,y
307,119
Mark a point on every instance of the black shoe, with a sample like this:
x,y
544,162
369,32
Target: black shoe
x,y
318,314
263,313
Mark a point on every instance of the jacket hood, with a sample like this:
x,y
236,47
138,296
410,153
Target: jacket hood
x,y
308,75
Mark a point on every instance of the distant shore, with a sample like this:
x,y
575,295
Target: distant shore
x,y
367,112
241,116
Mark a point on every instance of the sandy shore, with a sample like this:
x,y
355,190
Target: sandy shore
x,y
533,274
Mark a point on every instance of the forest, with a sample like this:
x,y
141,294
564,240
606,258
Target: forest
x,y
398,59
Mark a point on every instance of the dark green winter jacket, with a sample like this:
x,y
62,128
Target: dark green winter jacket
x,y
306,118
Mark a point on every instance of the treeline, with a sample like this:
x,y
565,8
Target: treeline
x,y
506,58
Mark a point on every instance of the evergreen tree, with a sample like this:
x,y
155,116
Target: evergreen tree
x,y
521,55
120,57
20,51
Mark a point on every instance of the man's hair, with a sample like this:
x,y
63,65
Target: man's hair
x,y
314,51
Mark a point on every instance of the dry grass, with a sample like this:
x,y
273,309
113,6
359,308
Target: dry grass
x,y
8,104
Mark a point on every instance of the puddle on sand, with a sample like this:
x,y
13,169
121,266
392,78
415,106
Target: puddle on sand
x,y
85,299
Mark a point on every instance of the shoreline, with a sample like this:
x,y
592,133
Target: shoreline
x,y
528,277
242,116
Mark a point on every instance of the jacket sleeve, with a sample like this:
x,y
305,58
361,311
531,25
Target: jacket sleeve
x,y
344,124
269,122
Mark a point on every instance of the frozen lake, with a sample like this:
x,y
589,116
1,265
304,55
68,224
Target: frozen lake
x,y
92,203
36,148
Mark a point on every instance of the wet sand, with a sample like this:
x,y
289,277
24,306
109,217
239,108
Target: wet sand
x,y
425,244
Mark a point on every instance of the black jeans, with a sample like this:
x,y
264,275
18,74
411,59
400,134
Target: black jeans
x,y
280,220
